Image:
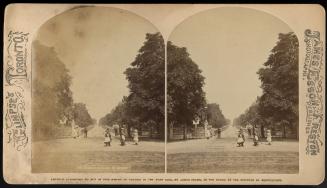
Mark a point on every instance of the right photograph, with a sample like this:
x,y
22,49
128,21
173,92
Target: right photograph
x,y
232,94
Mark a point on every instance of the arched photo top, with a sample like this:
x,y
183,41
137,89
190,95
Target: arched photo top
x,y
235,69
230,44
96,44
96,68
228,17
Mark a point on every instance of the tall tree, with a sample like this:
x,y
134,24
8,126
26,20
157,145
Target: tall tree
x,y
146,77
52,97
252,117
279,81
185,97
81,115
215,116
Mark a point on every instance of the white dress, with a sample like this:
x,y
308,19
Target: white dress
x,y
207,133
268,137
135,137
107,139
240,139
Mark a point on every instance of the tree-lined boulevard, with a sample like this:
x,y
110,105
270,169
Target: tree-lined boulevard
x,y
130,137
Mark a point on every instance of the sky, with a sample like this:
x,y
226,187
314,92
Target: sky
x,y
96,45
230,45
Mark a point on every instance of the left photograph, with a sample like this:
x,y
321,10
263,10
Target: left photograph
x,y
98,93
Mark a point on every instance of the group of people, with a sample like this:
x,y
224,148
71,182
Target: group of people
x,y
78,131
122,135
241,138
210,133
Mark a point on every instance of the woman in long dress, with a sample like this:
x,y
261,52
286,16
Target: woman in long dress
x,y
107,138
269,137
74,130
255,139
135,137
122,136
207,133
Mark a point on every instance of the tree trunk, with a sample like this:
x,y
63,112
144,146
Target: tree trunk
x,y
185,132
284,131
161,131
151,132
128,131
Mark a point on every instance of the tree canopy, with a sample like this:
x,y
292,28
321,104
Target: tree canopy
x,y
279,78
279,103
144,106
52,97
81,115
215,116
185,96
118,115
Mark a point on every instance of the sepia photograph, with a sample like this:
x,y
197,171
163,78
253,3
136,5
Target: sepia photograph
x,y
233,94
98,93
164,94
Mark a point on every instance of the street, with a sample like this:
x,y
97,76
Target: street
x,y
89,155
223,156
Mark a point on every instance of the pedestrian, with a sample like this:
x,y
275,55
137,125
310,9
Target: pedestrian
x,y
219,132
269,137
122,137
84,131
75,131
249,131
107,138
240,139
135,137
255,139
207,133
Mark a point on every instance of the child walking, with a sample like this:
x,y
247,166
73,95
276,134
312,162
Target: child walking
x,y
240,139
107,138
135,137
269,137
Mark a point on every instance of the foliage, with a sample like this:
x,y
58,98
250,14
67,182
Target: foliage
x,y
278,104
146,100
250,117
215,116
82,117
185,97
52,97
116,116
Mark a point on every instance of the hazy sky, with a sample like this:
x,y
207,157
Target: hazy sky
x,y
230,45
97,45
